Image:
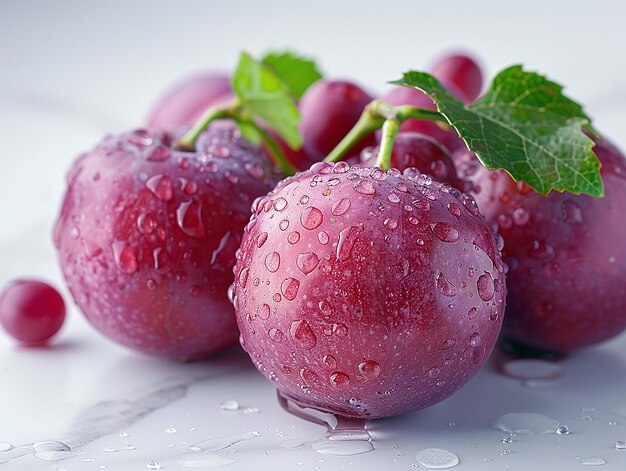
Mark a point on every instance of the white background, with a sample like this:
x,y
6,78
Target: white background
x,y
71,71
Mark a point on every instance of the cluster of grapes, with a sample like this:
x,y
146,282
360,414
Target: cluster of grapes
x,y
357,290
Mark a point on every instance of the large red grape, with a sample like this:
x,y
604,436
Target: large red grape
x,y
368,293
31,311
330,108
185,101
147,237
566,258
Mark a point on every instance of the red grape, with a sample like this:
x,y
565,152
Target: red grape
x,y
565,254
461,75
330,108
367,293
411,149
147,237
184,102
31,311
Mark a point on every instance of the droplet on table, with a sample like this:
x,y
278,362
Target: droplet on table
x,y
436,458
229,405
526,422
526,369
342,447
593,461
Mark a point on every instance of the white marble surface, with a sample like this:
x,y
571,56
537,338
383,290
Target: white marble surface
x,y
73,70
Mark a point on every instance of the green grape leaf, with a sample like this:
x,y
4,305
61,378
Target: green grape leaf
x,y
524,125
264,96
297,72
249,133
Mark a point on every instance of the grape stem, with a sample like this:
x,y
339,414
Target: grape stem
x,y
236,111
374,116
391,126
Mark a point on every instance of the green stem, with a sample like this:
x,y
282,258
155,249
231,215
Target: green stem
x,y
377,114
390,130
188,141
411,112
273,147
235,111
369,122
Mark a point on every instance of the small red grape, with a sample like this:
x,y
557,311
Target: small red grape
x,y
31,311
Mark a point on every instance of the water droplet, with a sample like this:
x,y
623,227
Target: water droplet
x,y
293,237
342,447
436,458
339,330
289,288
339,380
620,445
280,204
485,286
170,430
448,344
369,369
130,447
220,151
391,223
152,464
593,461
454,209
140,137
303,335
532,369
323,237
158,154
5,446
472,313
292,443
562,430
283,225
520,216
307,262
109,449
263,311
445,232
572,213
272,261
526,422
329,361
189,218
393,198
206,460
311,218
52,450
347,239
125,257
540,250
445,287
261,239
161,187
434,372
340,207
325,308
229,405
475,339
365,187
276,335
146,223
508,439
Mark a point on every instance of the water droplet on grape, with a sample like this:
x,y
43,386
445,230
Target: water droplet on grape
x,y
280,204
289,288
347,239
369,369
339,380
311,218
161,187
276,335
293,237
340,207
272,261
303,335
365,187
445,287
445,232
307,262
485,286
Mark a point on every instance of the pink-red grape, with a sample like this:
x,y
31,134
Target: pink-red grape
x,y
147,237
461,75
185,101
567,268
367,293
330,108
31,311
